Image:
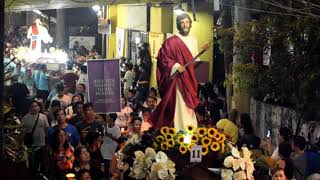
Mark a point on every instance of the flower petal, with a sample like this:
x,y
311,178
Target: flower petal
x,y
246,153
226,174
161,157
228,161
235,153
150,153
163,173
250,168
242,163
235,164
139,155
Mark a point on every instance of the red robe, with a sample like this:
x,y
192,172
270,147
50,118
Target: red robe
x,y
173,51
35,34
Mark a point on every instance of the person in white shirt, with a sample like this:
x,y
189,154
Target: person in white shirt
x,y
61,96
128,79
83,76
110,141
122,120
39,156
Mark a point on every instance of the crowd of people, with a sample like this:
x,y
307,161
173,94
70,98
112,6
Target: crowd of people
x,y
68,137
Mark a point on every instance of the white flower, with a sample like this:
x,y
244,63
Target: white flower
x,y
138,170
242,167
163,168
242,163
235,164
139,155
250,168
240,175
171,168
140,166
226,174
150,153
163,172
228,161
235,153
148,162
246,153
161,157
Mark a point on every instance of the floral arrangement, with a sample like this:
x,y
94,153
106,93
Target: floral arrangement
x,y
162,154
239,166
152,165
209,138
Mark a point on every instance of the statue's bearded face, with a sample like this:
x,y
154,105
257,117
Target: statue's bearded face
x,y
184,26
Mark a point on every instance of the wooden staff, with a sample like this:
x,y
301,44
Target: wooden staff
x,y
204,48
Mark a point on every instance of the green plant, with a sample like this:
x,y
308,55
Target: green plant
x,y
243,78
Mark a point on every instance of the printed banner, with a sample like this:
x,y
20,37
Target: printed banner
x,y
155,41
104,85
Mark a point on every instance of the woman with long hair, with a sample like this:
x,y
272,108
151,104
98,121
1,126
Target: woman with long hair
x,y
63,157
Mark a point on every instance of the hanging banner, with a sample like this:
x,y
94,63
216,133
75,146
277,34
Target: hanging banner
x,y
104,26
119,42
155,43
104,85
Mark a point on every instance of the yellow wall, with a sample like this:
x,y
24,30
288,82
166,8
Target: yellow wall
x,y
202,30
111,53
159,20
117,14
122,16
155,19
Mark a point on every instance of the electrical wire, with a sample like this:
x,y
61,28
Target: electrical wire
x,y
312,4
288,8
264,11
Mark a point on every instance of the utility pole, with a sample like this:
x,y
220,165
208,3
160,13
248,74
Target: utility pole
x,y
227,45
240,100
61,30
1,74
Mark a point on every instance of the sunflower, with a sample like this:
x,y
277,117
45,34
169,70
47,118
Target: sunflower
x,y
206,141
159,139
205,150
190,129
180,139
222,138
164,146
202,132
183,149
170,143
169,136
215,146
212,132
172,131
194,138
164,130
217,136
190,145
222,149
